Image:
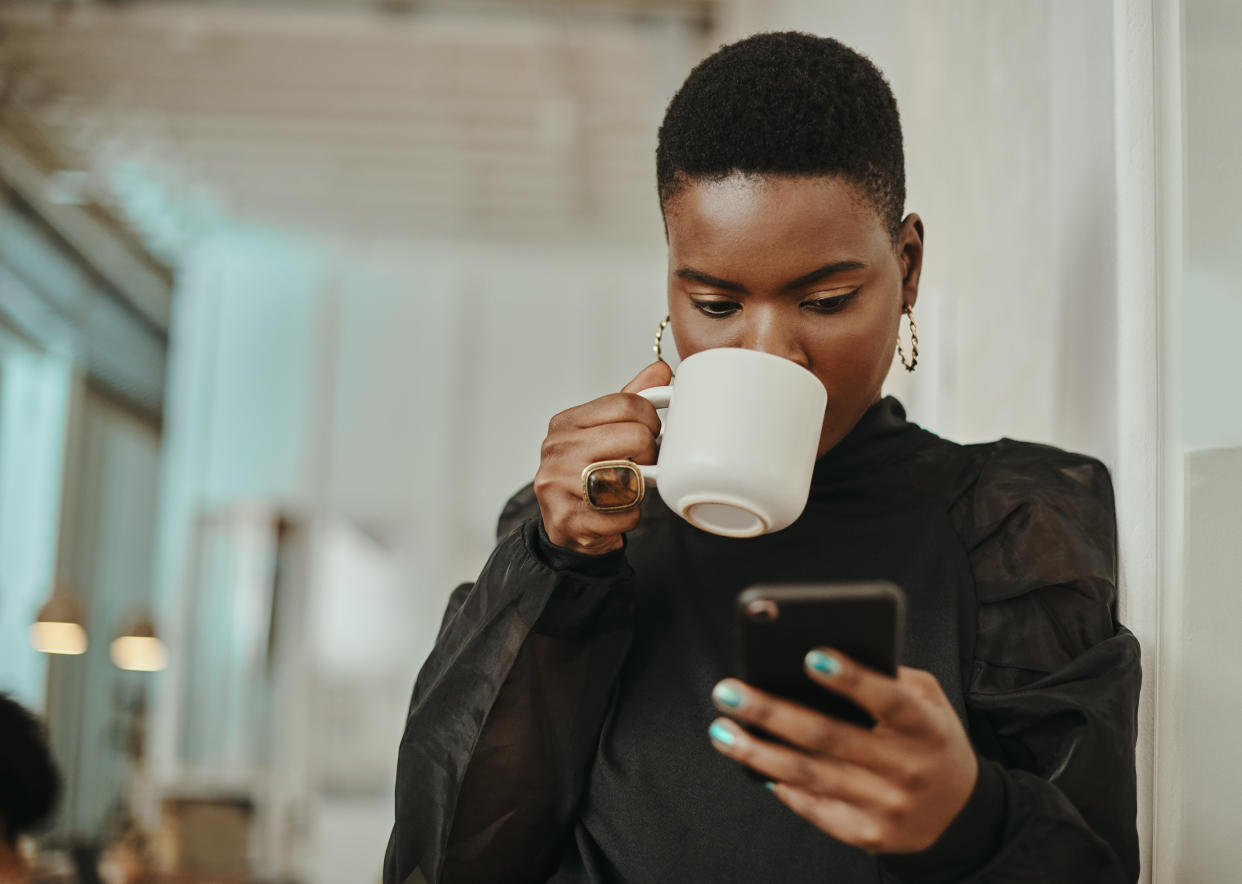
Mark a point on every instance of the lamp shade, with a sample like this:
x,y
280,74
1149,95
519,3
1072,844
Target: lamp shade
x,y
58,627
139,648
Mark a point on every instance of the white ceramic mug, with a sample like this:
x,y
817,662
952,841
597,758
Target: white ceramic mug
x,y
739,441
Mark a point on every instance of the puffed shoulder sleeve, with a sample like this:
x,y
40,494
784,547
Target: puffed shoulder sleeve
x,y
1052,690
506,711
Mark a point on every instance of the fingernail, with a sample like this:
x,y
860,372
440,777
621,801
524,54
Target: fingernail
x,y
770,786
727,695
821,662
720,734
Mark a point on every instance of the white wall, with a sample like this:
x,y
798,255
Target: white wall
x,y
1208,676
1201,657
1212,300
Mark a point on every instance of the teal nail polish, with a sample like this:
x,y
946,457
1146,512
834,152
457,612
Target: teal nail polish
x,y
770,786
821,662
727,696
720,734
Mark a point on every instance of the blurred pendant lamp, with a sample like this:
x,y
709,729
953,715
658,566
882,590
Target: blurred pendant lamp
x,y
139,648
58,628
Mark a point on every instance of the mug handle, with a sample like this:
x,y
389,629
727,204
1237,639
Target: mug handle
x,y
660,397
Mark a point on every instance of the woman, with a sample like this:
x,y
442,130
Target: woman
x,y
576,720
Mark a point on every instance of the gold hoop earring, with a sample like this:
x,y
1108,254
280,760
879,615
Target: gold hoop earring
x,y
659,335
914,341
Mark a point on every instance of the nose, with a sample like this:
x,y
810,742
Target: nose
x,y
770,331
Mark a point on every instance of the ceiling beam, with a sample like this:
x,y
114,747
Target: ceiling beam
x,y
27,162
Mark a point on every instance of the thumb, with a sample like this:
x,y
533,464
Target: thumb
x,y
657,374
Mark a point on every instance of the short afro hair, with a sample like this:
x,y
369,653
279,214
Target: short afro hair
x,y
29,783
786,104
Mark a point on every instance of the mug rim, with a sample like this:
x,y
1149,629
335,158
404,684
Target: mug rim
x,y
778,363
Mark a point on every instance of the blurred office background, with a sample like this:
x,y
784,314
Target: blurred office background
x,y
288,292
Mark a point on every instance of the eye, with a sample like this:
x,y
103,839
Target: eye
x,y
717,309
831,304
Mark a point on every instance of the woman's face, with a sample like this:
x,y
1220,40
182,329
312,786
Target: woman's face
x,y
798,267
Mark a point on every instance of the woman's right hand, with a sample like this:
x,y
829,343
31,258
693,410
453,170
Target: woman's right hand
x,y
613,427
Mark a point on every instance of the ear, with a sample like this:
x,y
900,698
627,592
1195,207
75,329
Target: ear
x,y
910,255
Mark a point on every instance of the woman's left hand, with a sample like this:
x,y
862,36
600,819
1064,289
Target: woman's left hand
x,y
892,789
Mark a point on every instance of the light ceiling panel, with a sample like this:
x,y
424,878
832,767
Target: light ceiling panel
x,y
355,122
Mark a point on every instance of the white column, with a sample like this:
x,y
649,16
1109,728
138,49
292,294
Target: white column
x,y
1148,471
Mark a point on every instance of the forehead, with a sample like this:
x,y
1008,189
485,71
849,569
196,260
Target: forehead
x,y
748,221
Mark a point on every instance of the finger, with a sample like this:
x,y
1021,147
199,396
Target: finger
x,y
889,701
572,450
568,520
815,773
629,440
600,546
803,727
590,525
610,409
588,531
584,530
839,819
924,683
657,374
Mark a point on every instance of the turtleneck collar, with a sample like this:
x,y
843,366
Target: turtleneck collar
x,y
881,436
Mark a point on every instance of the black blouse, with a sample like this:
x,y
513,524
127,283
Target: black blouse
x,y
558,730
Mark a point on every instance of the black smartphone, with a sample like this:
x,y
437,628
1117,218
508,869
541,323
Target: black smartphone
x,y
779,624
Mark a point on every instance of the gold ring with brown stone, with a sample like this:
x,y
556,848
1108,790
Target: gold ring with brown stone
x,y
610,486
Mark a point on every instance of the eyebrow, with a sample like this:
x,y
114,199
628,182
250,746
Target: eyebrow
x,y
707,279
823,273
806,279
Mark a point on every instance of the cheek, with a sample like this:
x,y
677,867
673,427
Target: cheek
x,y
856,351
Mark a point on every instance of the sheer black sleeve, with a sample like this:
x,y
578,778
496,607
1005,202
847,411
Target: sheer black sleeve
x,y
1053,689
506,712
